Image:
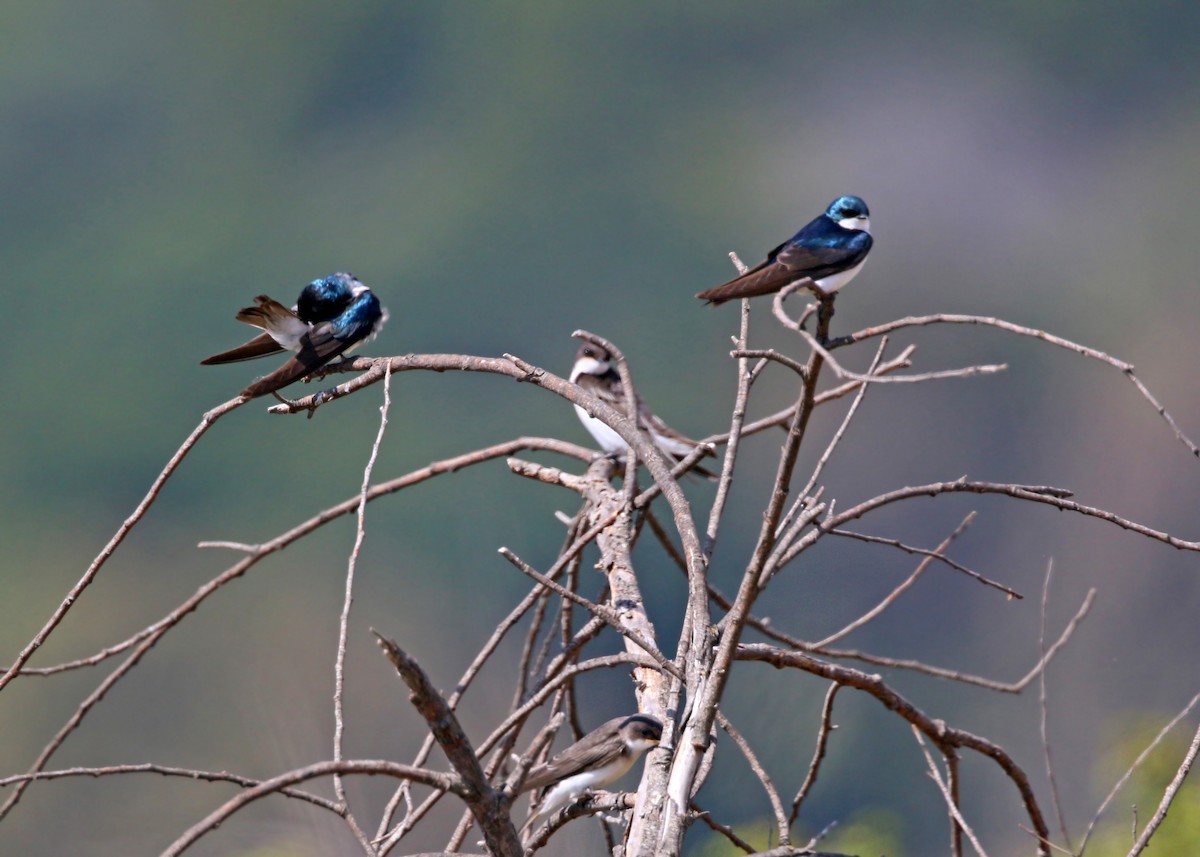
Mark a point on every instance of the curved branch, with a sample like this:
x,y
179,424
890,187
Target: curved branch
x,y
171,771
1020,330
1050,496
937,730
448,782
206,422
489,808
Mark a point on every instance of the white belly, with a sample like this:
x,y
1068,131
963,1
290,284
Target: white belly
x,y
609,440
832,283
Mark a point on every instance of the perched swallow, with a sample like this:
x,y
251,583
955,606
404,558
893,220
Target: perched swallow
x,y
595,760
594,372
822,257
333,316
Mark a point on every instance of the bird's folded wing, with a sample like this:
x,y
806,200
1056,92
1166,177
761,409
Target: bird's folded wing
x,y
770,276
259,346
583,756
317,347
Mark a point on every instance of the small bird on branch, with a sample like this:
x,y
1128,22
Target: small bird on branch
x,y
600,757
595,372
822,257
333,316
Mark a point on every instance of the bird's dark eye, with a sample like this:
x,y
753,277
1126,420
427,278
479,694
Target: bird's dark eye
x,y
587,352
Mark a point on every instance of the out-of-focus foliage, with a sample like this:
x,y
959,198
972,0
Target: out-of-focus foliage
x,y
1140,797
502,174
869,832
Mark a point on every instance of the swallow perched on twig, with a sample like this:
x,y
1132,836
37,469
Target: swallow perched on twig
x,y
594,371
822,257
333,316
595,760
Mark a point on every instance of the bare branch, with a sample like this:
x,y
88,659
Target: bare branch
x,y
490,810
760,772
899,545
171,771
375,767
1168,797
339,670
723,829
834,441
1162,733
1038,494
206,422
900,589
612,617
951,803
733,438
782,418
948,318
1044,712
939,732
814,766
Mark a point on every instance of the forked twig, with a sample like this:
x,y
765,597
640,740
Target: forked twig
x,y
814,766
899,589
951,803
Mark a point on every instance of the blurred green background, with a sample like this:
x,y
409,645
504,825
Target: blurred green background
x,y
502,174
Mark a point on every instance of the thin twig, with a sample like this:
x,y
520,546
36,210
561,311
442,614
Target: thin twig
x,y
723,829
760,772
899,545
171,771
1043,713
737,420
938,731
612,617
72,596
1038,494
790,526
827,453
951,804
1168,797
814,766
339,669
1095,354
1142,756
376,767
843,372
899,589
782,418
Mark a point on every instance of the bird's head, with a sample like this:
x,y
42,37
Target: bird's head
x,y
640,732
591,359
327,297
850,212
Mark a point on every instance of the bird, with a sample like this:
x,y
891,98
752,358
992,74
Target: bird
x,y
822,257
594,372
332,316
598,758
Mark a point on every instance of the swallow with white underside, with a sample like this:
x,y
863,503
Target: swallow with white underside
x,y
333,316
822,257
598,758
594,372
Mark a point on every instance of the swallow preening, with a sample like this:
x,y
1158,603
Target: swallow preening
x,y
594,371
332,317
822,257
600,757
